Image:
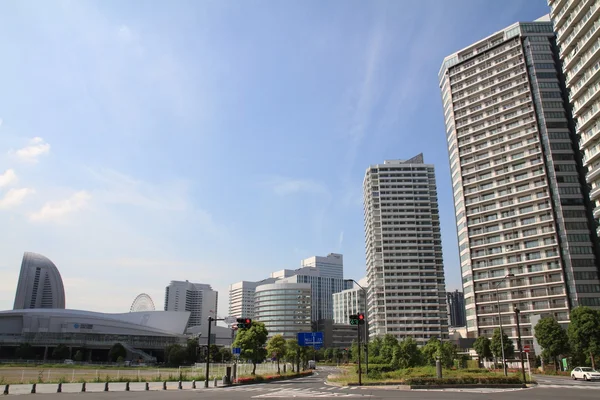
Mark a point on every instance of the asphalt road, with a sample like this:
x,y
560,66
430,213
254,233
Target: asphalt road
x,y
314,387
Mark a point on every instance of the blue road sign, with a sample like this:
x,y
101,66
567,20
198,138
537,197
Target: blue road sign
x,y
311,339
236,351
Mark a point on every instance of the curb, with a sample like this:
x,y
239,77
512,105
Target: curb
x,y
399,386
268,381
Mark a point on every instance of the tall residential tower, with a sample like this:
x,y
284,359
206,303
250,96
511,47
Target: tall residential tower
x,y
405,271
198,298
521,217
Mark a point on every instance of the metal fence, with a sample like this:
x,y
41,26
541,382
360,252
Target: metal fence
x,y
219,370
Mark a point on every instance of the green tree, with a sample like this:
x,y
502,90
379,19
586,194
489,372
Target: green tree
x,y
447,353
552,337
117,350
375,347
226,355
276,348
25,352
78,356
496,345
483,348
60,352
407,354
252,343
430,351
292,353
339,355
191,350
329,354
584,333
215,353
177,356
388,345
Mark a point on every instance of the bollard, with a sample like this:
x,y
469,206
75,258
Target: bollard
x,y
33,388
127,386
215,382
83,387
164,385
193,384
179,386
59,388
6,389
106,386
147,386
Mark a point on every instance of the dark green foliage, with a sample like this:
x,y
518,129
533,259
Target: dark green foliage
x,y
60,352
117,350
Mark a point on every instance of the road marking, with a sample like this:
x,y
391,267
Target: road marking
x,y
589,387
306,393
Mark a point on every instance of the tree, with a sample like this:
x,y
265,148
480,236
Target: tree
x,y
25,352
60,352
78,356
226,355
375,347
177,356
552,337
215,353
431,351
251,342
496,345
447,353
191,350
276,348
292,352
483,348
407,354
329,354
584,332
339,354
388,345
117,350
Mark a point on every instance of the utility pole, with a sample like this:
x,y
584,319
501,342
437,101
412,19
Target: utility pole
x,y
359,368
210,320
517,312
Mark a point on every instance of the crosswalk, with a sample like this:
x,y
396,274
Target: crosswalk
x,y
580,386
268,391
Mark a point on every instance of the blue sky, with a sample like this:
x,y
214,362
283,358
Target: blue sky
x,y
214,141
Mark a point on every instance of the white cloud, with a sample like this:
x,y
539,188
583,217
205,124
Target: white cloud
x,y
57,210
8,177
0,121
341,240
36,148
287,186
14,197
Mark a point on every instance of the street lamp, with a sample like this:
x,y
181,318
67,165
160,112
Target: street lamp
x,y
500,321
366,324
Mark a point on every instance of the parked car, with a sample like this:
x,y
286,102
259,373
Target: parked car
x,y
312,364
585,373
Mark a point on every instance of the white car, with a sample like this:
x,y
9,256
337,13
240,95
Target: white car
x,y
585,373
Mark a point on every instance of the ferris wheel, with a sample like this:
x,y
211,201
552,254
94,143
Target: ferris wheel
x,y
142,302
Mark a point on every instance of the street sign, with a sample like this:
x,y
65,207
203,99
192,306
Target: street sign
x,y
230,320
311,339
236,351
526,348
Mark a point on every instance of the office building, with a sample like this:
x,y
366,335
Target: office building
x,y
518,186
456,309
405,270
348,302
284,308
197,298
576,26
40,284
324,274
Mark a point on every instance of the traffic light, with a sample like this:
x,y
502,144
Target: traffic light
x,y
361,319
244,323
354,319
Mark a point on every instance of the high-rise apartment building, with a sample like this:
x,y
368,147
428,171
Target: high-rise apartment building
x,y
576,25
40,284
348,302
198,298
405,271
456,308
521,217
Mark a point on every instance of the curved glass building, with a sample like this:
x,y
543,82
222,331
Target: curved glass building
x,y
40,284
284,308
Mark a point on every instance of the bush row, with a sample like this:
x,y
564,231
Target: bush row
x,y
270,378
467,380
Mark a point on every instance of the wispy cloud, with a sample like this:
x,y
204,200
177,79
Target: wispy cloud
x,y
288,186
15,197
35,149
55,211
8,177
340,240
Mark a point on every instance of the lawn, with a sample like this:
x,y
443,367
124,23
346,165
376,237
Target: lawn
x,y
421,375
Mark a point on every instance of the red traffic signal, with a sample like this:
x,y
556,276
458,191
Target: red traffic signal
x,y
248,321
361,317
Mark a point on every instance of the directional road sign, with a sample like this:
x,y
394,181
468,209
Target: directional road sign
x,y
311,339
236,351
230,320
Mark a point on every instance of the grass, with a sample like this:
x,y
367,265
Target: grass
x,y
402,376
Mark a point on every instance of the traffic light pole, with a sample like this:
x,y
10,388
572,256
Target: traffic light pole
x,y
359,368
206,375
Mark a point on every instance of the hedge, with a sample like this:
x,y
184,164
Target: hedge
x,y
270,378
467,380
377,368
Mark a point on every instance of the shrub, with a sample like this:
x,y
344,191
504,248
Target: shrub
x,y
467,380
378,367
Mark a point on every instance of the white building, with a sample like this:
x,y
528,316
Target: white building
x,y
405,270
348,302
284,308
578,37
197,298
520,206
324,274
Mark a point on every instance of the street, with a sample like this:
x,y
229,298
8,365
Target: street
x,y
315,387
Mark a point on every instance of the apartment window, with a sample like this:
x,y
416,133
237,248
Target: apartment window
x,y
551,95
578,238
581,250
569,190
588,288
527,221
529,232
554,114
531,243
585,275
552,104
544,66
524,210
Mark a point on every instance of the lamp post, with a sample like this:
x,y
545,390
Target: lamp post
x,y
366,326
500,321
517,312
